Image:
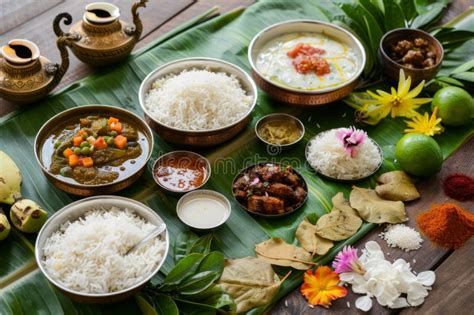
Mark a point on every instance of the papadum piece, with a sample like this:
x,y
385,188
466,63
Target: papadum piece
x,y
250,281
341,203
374,209
310,241
396,186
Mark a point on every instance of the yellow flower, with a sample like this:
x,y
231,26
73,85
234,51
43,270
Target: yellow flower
x,y
321,288
430,126
400,102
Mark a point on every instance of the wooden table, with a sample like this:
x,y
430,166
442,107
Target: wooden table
x,y
452,292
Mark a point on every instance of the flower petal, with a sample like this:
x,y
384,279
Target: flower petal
x,y
364,303
414,93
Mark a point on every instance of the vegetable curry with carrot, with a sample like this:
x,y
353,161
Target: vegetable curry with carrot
x,y
94,150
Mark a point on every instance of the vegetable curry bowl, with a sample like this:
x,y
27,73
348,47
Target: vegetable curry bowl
x,y
93,149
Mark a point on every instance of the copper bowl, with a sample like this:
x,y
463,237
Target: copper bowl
x,y
79,189
198,138
76,210
392,68
294,96
278,148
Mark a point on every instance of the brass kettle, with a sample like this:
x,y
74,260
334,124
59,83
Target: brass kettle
x,y
101,38
25,75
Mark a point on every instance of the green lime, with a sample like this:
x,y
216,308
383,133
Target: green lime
x,y
455,106
419,155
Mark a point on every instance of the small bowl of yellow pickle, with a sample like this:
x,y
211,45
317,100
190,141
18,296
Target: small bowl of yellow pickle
x,y
279,131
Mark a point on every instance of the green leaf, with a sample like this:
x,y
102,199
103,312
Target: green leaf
x,y
185,267
429,16
393,15
198,282
214,261
165,305
183,244
466,76
409,9
464,67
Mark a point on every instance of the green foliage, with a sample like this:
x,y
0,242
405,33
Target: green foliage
x,y
190,287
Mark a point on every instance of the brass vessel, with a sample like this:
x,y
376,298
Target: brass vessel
x,y
25,75
101,38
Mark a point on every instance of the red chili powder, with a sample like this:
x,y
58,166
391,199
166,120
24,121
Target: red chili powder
x,y
459,187
447,225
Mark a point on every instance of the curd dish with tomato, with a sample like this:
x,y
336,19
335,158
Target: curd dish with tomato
x,y
307,61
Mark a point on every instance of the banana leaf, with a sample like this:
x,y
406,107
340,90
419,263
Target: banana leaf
x,y
23,289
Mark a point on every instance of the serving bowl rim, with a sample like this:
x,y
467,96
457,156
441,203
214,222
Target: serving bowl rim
x,y
240,172
293,118
66,208
412,30
184,152
204,191
93,107
342,180
353,38
142,93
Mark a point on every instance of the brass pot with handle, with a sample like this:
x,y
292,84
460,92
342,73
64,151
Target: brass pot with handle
x,y
25,75
101,38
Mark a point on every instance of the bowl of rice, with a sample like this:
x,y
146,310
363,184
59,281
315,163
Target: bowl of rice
x,y
198,101
81,249
344,154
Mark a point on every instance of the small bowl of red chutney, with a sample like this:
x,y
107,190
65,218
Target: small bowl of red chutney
x,y
180,172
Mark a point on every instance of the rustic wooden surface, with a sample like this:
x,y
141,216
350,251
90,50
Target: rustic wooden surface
x,y
452,292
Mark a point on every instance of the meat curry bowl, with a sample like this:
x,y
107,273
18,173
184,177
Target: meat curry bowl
x,y
270,189
93,149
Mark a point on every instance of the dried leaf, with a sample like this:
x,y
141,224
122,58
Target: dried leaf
x,y
250,281
374,209
341,203
277,252
341,223
397,186
310,241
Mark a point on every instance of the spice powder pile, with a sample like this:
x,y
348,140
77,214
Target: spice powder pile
x,y
459,187
447,225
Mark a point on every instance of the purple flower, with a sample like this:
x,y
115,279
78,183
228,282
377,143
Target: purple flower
x,y
347,261
351,139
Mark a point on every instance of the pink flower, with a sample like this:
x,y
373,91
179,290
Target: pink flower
x,y
347,261
351,139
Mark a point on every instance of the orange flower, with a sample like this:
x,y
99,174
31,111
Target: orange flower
x,y
321,288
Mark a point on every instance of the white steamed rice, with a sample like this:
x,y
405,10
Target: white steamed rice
x,y
197,100
87,255
327,155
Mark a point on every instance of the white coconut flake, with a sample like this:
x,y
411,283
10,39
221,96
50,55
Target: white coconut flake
x,y
327,154
402,236
197,100
387,282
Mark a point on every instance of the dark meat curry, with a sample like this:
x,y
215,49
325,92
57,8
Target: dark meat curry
x,y
94,150
270,189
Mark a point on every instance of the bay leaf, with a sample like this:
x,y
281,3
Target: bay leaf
x,y
374,209
396,186
341,223
310,241
250,281
342,204
277,252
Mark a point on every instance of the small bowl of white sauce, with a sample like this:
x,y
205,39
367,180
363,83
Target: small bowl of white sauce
x,y
203,209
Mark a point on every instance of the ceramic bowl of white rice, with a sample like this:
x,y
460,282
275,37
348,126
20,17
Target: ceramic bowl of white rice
x,y
81,249
198,102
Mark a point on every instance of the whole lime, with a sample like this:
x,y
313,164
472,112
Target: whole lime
x,y
455,106
419,155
